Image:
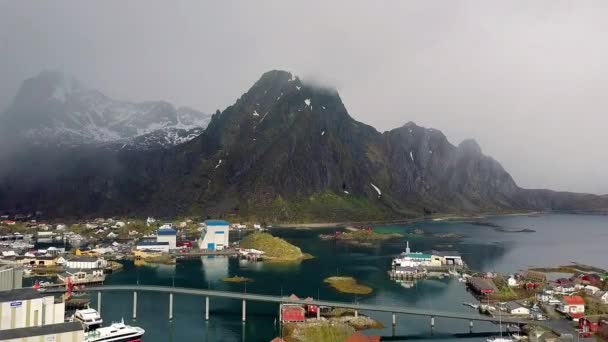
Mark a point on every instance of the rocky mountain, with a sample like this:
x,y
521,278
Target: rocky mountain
x,y
284,151
57,109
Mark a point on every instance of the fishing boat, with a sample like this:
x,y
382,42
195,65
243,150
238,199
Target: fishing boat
x,y
94,276
117,332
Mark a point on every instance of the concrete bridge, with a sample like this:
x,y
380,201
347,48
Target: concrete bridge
x,y
206,294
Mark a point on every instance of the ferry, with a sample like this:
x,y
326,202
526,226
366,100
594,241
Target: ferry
x,y
117,332
89,318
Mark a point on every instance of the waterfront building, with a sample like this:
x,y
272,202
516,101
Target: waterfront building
x,y
25,308
162,247
215,235
86,262
514,308
449,258
166,233
416,259
71,331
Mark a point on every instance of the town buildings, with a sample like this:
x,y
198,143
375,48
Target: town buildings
x,y
166,233
85,262
215,235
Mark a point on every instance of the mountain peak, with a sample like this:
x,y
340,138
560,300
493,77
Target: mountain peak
x,y
470,145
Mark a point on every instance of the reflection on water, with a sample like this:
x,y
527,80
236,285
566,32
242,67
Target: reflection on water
x,y
483,248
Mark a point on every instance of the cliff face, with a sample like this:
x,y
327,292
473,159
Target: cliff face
x,y
285,151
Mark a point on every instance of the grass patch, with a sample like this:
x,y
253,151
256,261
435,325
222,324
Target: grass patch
x,y
318,331
237,279
348,285
274,248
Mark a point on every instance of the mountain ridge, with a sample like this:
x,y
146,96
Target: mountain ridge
x,y
56,108
287,151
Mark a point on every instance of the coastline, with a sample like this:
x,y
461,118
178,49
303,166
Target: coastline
x,y
438,218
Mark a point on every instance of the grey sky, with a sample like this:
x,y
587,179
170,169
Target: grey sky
x,y
526,79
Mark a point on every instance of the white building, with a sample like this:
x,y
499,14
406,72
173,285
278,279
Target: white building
x,y
572,304
416,259
167,234
150,221
215,235
24,308
85,262
162,247
591,289
512,282
515,308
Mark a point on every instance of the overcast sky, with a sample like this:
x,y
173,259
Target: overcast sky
x,y
527,79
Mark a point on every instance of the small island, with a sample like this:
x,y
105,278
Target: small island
x,y
348,285
274,248
362,237
237,279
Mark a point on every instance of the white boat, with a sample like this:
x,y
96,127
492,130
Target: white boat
x,y
89,318
117,332
471,305
500,338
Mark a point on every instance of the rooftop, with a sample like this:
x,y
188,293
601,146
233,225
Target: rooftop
x,y
217,223
49,329
153,243
574,300
166,231
20,294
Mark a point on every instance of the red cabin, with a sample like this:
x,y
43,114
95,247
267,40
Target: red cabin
x,y
292,313
587,326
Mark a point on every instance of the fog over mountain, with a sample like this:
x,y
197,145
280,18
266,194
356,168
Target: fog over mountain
x,y
526,80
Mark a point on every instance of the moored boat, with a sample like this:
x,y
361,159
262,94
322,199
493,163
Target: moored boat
x,y
117,332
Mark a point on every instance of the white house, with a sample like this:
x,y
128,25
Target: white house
x,y
215,235
60,261
84,262
150,221
512,282
572,304
416,259
167,234
515,308
591,289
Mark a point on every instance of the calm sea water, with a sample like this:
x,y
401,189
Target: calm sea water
x,y
558,239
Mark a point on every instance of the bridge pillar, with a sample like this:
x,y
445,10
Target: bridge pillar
x,y
244,307
171,306
432,321
394,319
206,308
356,313
471,326
134,305
99,302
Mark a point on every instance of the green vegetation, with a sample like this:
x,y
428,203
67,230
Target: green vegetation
x,y
237,279
506,293
317,331
348,285
364,235
326,206
274,248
